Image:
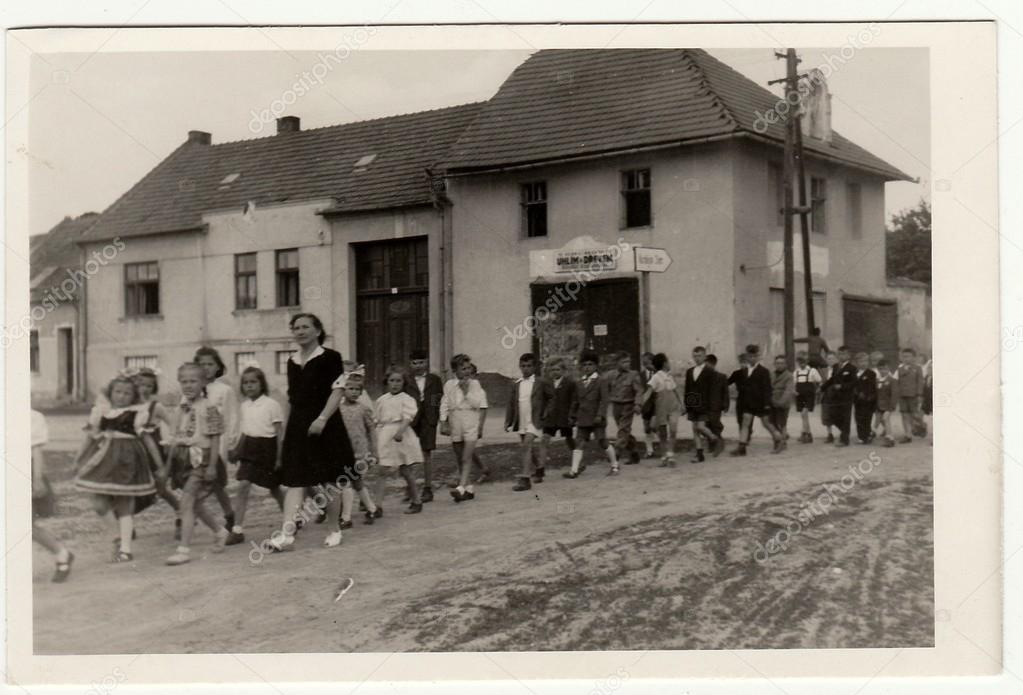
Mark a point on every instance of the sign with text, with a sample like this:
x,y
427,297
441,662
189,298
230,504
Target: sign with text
x,y
586,259
650,260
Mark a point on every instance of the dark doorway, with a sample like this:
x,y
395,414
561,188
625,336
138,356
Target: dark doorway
x,y
392,304
871,325
65,362
600,315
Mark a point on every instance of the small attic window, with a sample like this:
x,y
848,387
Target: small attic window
x,y
364,161
230,178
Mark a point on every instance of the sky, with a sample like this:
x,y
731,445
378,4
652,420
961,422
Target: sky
x,y
98,123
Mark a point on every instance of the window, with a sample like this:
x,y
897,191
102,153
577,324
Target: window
x,y
287,278
245,281
140,361
854,206
33,351
776,191
243,360
282,357
534,208
141,289
636,198
818,208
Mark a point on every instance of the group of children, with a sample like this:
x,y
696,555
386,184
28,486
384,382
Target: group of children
x,y
136,449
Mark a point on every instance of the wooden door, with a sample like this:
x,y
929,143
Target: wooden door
x,y
871,325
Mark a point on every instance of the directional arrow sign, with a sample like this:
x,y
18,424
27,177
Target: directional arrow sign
x,y
650,260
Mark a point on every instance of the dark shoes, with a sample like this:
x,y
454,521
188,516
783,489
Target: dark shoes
x,y
697,457
427,495
345,524
234,538
738,451
373,516
538,475
522,484
462,496
572,475
830,439
779,446
414,508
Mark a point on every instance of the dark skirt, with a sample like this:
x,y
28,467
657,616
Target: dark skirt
x,y
308,461
256,459
117,467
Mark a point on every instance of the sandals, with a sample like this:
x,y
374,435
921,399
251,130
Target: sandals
x,y
63,569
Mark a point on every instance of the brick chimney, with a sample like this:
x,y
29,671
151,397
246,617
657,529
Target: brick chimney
x,y
288,124
199,137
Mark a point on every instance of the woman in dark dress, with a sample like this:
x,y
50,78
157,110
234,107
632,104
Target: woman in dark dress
x,y
316,449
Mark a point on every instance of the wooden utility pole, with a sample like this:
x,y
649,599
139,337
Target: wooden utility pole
x,y
787,174
804,225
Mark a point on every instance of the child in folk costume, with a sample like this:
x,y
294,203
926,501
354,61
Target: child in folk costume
x,y
807,380
783,393
667,407
886,403
147,381
113,464
194,450
258,451
223,398
528,400
397,443
589,413
645,372
463,411
43,502
557,417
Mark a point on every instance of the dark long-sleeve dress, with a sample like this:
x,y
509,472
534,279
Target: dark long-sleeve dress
x,y
308,461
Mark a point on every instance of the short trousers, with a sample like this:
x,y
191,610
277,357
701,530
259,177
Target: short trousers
x,y
696,417
465,425
598,432
909,404
566,432
806,401
427,436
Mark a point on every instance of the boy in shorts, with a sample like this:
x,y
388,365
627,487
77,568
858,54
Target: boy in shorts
x,y
807,380
589,413
463,410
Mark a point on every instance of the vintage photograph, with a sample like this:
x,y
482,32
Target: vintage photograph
x,y
552,349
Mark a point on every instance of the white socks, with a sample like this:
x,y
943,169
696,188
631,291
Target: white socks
x,y
577,459
367,500
611,455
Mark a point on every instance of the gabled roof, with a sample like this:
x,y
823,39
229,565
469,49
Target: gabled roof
x,y
53,253
304,165
581,102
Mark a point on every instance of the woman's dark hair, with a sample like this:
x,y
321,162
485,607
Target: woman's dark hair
x,y
458,360
315,320
264,389
207,351
659,360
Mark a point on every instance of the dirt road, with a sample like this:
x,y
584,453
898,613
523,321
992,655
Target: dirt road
x,y
654,558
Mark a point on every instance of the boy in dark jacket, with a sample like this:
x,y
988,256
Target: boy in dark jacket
x,y
528,401
840,389
557,419
589,414
864,398
718,399
427,389
755,400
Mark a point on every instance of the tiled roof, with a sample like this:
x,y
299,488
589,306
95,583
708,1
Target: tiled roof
x,y
53,253
304,165
578,102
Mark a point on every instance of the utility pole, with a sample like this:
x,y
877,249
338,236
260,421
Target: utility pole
x,y
804,225
787,174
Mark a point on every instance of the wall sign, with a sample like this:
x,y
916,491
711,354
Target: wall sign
x,y
586,259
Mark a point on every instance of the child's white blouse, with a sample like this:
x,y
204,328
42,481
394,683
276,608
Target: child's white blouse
x,y
395,407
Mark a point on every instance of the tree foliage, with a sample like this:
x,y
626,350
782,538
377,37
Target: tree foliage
x,y
908,253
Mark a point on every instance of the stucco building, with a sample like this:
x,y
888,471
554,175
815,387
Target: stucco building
x,y
457,228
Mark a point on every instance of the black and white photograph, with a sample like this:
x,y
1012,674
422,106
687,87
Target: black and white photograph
x,y
343,345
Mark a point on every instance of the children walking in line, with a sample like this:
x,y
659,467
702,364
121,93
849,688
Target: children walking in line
x,y
397,443
528,400
589,412
193,454
754,386
886,403
113,464
223,398
463,411
807,380
667,407
427,389
697,389
625,388
147,381
783,393
44,503
864,398
557,419
258,452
